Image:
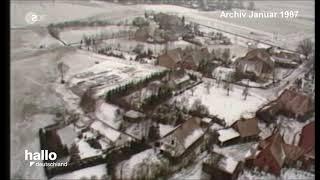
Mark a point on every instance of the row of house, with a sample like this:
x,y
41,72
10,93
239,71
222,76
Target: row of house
x,y
256,64
273,153
184,58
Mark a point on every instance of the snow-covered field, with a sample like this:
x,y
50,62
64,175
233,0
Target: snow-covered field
x,y
53,12
76,35
230,108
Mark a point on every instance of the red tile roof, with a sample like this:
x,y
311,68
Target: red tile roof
x,y
307,137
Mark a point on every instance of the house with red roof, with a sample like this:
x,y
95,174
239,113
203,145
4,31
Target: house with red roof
x,y
307,142
270,156
291,104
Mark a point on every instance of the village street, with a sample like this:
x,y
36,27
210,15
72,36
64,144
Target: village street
x,y
273,92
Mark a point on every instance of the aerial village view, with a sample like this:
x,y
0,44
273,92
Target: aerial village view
x,y
162,89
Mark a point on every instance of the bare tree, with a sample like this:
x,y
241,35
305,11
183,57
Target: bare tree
x,y
199,108
192,91
87,102
226,55
228,85
305,47
251,5
218,53
245,92
63,68
208,85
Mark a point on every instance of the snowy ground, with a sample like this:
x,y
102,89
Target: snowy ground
x,y
230,108
53,11
97,172
194,171
292,174
143,163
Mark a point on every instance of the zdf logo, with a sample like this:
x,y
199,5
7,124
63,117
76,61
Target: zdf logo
x,y
32,17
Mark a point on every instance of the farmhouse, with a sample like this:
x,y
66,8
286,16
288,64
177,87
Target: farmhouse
x,y
247,128
170,59
271,155
192,58
184,142
289,103
221,167
178,78
257,63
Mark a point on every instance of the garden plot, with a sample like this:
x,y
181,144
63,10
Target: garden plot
x,y
230,108
109,73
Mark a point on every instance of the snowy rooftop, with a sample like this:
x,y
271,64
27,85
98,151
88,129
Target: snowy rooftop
x,y
181,80
222,72
165,129
228,164
206,120
134,114
107,113
227,134
192,137
106,131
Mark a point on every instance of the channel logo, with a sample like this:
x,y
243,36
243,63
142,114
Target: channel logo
x,y
43,155
32,17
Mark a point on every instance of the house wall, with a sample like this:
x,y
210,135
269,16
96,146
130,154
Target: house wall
x,y
230,142
216,173
166,61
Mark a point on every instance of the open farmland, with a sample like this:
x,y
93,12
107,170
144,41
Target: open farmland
x,y
294,29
